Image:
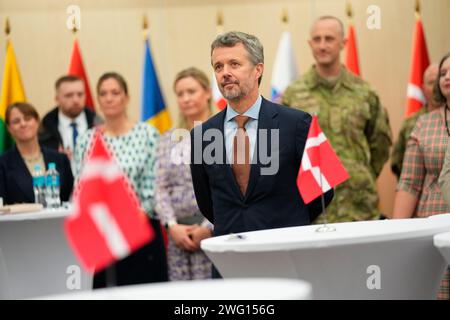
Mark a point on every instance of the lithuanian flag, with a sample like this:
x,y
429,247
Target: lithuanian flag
x,y
12,91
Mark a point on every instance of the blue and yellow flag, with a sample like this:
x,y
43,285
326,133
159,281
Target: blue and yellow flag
x,y
153,108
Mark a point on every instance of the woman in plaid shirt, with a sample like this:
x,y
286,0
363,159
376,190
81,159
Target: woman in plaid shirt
x,y
418,191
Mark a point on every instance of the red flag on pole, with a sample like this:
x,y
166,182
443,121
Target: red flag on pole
x,y
320,169
107,223
351,59
419,62
76,68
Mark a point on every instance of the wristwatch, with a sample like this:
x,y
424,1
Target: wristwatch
x,y
171,223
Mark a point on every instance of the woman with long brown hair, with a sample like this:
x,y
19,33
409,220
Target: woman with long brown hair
x,y
133,145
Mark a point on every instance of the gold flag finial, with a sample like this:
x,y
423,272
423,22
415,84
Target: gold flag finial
x,y
219,21
144,22
145,25
284,16
74,25
417,8
349,10
7,27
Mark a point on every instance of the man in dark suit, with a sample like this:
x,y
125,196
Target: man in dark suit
x,y
61,126
245,159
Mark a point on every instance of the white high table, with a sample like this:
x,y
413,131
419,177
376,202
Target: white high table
x,y
231,289
384,259
35,258
442,243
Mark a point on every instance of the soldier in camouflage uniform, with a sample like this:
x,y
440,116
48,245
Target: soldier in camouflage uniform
x,y
352,118
429,78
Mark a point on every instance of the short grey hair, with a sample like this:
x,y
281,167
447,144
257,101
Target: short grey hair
x,y
251,44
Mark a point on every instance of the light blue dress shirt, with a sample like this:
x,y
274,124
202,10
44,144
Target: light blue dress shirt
x,y
230,127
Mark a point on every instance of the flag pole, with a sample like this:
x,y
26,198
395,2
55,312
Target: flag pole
x,y
74,29
7,31
417,9
7,27
324,227
74,26
219,22
349,12
145,27
285,18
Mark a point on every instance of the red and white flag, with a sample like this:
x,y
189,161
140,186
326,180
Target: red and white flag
x,y
107,223
320,169
419,63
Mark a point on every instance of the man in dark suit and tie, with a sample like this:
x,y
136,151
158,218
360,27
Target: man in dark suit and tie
x,y
71,117
245,159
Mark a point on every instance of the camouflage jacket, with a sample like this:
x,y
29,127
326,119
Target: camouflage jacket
x,y
357,126
399,149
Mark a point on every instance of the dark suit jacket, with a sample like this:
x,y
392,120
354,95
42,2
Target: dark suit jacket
x,y
16,182
271,201
49,135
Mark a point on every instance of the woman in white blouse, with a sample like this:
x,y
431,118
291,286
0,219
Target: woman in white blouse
x,y
133,146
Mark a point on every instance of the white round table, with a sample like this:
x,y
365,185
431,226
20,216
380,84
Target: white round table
x,y
35,258
383,259
442,243
217,289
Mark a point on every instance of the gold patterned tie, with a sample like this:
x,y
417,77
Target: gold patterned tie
x,y
241,154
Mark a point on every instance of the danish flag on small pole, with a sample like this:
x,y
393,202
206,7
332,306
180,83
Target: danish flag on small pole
x,y
108,223
320,169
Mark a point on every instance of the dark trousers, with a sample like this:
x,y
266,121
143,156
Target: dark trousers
x,y
215,273
145,265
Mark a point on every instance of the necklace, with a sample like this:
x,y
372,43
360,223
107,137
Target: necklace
x,y
446,124
32,158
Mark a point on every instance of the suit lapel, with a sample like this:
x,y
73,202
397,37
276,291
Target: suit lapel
x,y
24,180
51,125
267,120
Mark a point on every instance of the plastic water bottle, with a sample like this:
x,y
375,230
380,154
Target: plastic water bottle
x,y
39,185
52,187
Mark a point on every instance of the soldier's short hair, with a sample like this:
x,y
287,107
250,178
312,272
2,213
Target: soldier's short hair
x,y
251,43
438,96
330,17
66,78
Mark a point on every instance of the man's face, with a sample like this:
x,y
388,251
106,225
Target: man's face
x,y
236,75
326,42
429,79
71,98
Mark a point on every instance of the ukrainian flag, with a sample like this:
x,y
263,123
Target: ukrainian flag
x,y
153,108
12,91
